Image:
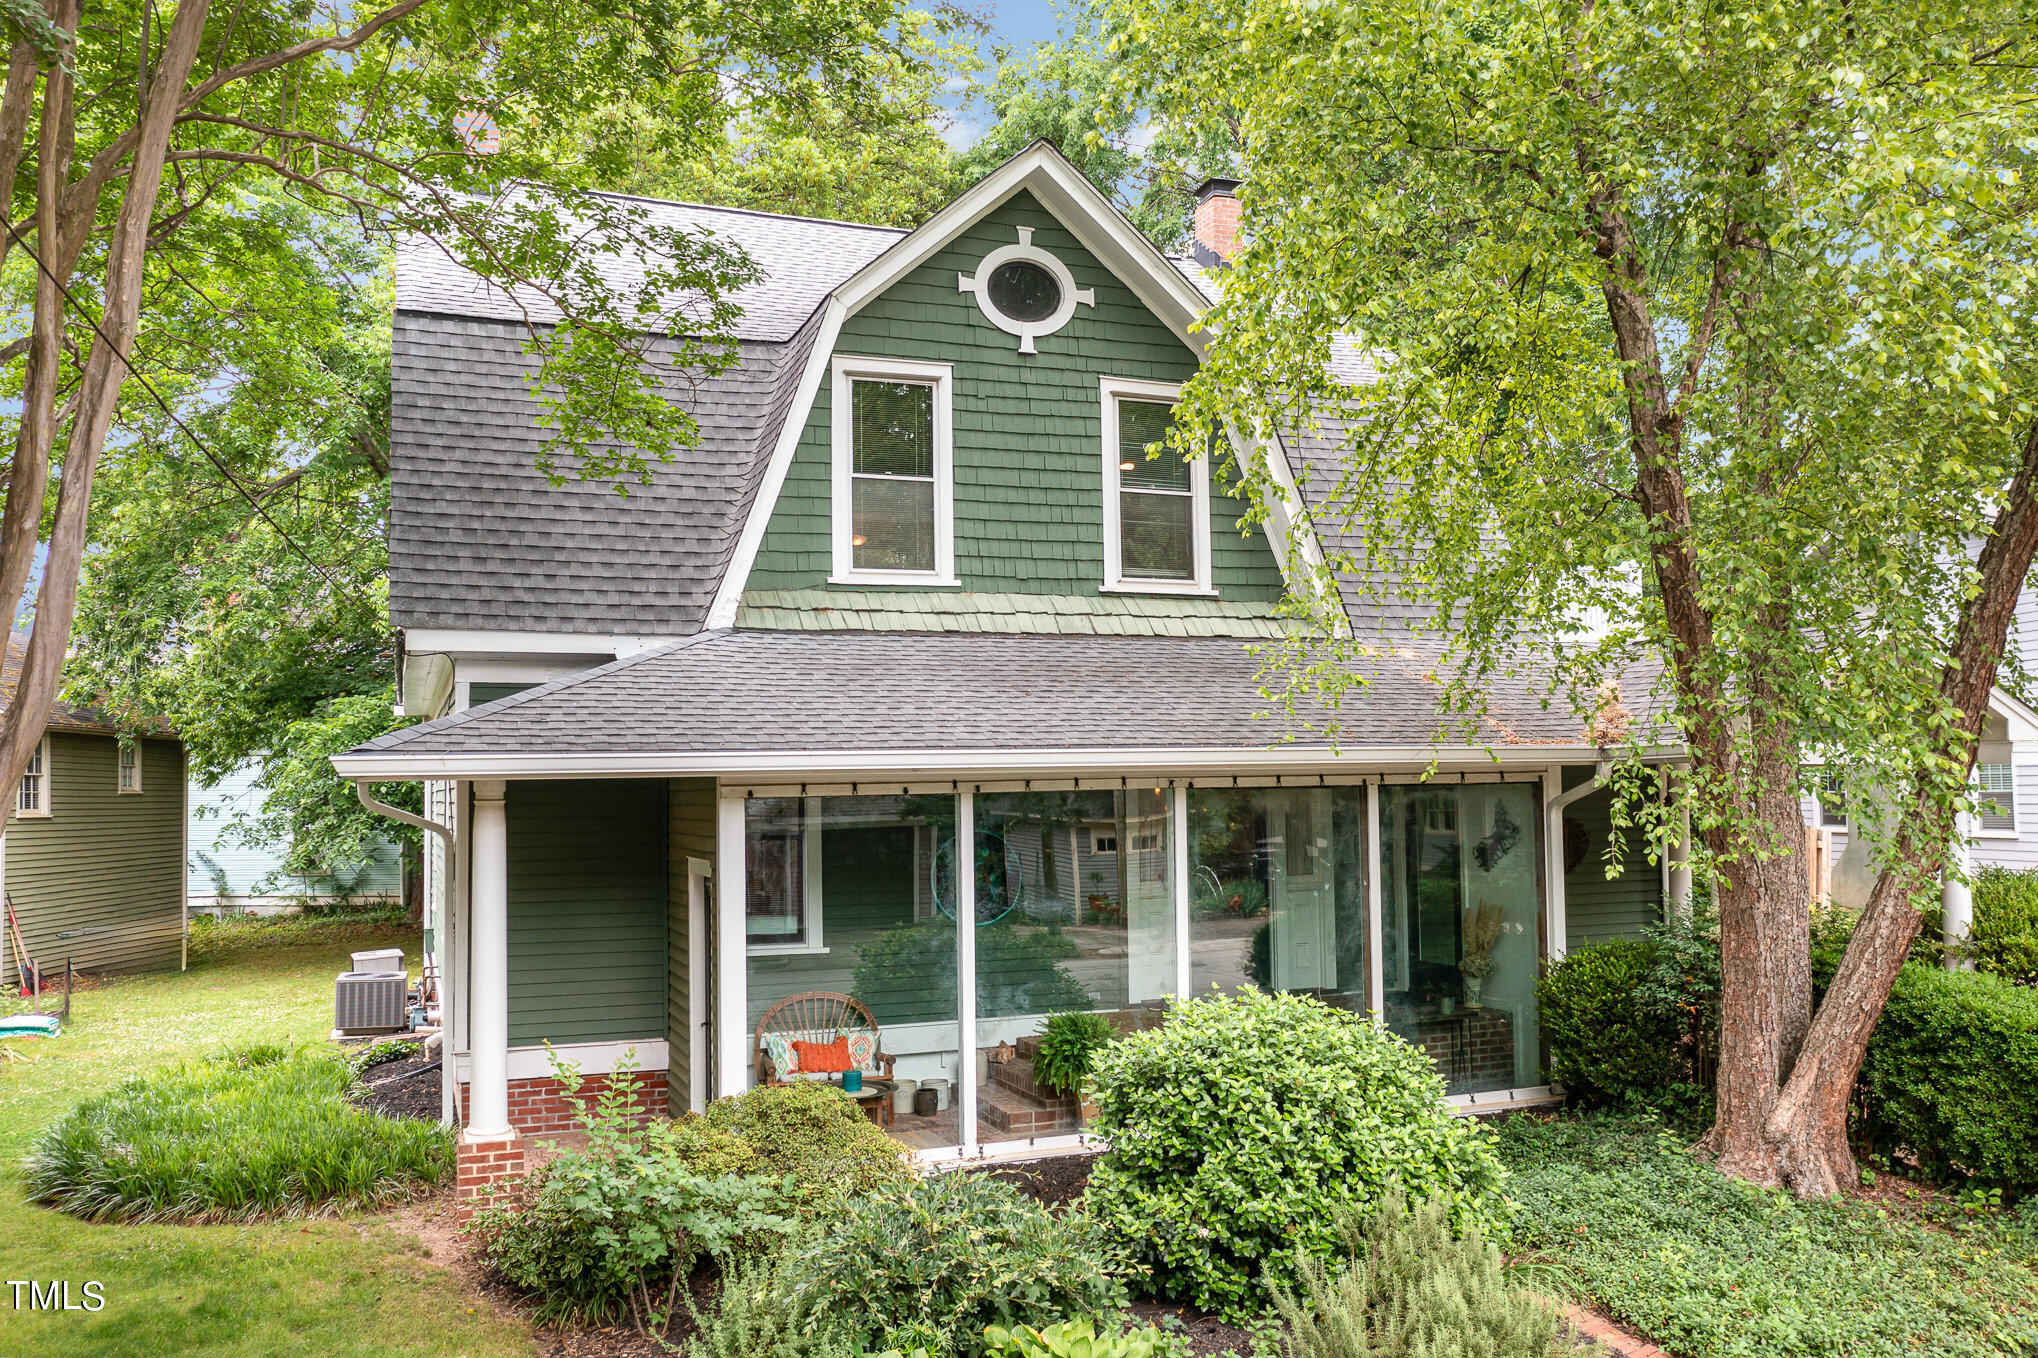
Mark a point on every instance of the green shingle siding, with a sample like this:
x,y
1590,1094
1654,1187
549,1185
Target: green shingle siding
x,y
480,693
587,910
1598,908
1029,507
690,834
947,610
101,879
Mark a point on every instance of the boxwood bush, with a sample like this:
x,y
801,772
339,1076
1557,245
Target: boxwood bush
x,y
1951,1078
1243,1129
815,1134
253,1132
1609,1040
2004,937
929,1266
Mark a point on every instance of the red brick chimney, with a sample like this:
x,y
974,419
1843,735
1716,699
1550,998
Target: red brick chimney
x,y
1215,234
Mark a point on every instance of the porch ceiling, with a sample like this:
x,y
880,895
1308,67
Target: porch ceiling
x,y
747,701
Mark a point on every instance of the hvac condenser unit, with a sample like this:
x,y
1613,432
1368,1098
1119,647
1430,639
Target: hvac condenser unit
x,y
371,1002
380,960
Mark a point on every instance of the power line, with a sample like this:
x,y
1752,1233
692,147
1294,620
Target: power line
x,y
182,427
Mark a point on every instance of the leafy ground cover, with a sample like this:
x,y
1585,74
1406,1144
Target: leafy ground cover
x,y
360,1286
1710,1267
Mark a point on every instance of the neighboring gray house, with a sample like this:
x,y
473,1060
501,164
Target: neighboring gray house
x,y
920,681
225,874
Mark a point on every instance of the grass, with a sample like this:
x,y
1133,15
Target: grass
x,y
357,1286
1710,1267
260,1131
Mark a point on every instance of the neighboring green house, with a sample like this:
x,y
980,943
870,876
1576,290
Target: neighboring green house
x,y
94,855
922,585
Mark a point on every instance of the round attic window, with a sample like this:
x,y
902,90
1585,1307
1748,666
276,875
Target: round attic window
x,y
1024,291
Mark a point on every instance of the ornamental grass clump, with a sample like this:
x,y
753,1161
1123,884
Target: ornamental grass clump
x,y
260,1131
1245,1127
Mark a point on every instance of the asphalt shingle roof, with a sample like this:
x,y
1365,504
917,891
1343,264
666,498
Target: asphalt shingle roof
x,y
738,691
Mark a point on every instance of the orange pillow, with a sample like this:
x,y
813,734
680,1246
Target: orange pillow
x,y
820,1057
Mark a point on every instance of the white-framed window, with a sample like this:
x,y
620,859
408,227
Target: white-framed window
x,y
894,472
1025,291
1104,839
32,798
782,858
1997,786
130,777
1156,509
1832,802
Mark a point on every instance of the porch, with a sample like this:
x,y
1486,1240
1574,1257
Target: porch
x,y
665,918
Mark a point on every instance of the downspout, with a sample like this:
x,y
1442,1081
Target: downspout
x,y
445,835
1553,835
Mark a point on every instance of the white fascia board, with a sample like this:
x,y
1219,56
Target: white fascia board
x,y
2020,719
1290,512
819,765
729,595
475,644
1064,191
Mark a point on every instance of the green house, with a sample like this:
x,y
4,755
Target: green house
x,y
926,680
94,853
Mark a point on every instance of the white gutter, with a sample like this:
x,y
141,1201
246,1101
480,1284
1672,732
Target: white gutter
x,y
397,812
843,765
447,1097
1553,839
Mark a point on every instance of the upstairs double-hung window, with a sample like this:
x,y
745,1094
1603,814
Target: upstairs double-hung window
x,y
1156,505
892,472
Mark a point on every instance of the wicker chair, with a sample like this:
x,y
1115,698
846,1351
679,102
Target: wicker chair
x,y
816,1016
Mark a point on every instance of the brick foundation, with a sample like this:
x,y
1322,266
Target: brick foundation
x,y
1472,1050
484,1167
536,1106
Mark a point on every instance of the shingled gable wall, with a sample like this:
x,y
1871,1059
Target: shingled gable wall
x,y
1028,428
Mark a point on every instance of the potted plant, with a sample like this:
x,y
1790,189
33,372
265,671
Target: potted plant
x,y
1068,1046
1482,932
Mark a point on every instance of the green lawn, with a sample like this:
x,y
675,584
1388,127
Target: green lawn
x,y
341,1287
1710,1267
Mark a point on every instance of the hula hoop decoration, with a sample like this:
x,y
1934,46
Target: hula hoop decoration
x,y
997,895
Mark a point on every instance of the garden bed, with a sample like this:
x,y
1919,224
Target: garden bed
x,y
405,1088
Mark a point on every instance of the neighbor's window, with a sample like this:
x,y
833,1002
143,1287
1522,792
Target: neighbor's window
x,y
33,798
1157,507
892,471
1999,793
1832,802
130,768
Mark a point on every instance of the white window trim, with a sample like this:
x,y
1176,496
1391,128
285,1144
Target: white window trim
x,y
1845,823
120,786
2007,800
1111,390
43,812
810,941
941,376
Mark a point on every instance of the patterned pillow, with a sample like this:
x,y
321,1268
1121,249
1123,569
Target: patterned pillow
x,y
862,1047
779,1047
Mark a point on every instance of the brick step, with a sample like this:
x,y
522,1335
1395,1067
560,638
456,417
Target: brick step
x,y
1004,1110
1017,1075
1029,1046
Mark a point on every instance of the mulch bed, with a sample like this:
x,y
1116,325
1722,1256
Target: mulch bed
x,y
407,1088
1054,1182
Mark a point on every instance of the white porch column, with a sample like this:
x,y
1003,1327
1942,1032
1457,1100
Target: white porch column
x,y
1376,908
488,945
1178,807
1956,898
732,950
1679,902
966,968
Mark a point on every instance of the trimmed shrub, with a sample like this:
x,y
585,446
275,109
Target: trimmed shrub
x,y
1410,1287
932,1264
2004,939
1609,1042
1952,1076
1242,1129
814,1134
253,1132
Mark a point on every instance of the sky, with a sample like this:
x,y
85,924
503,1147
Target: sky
x,y
1016,24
